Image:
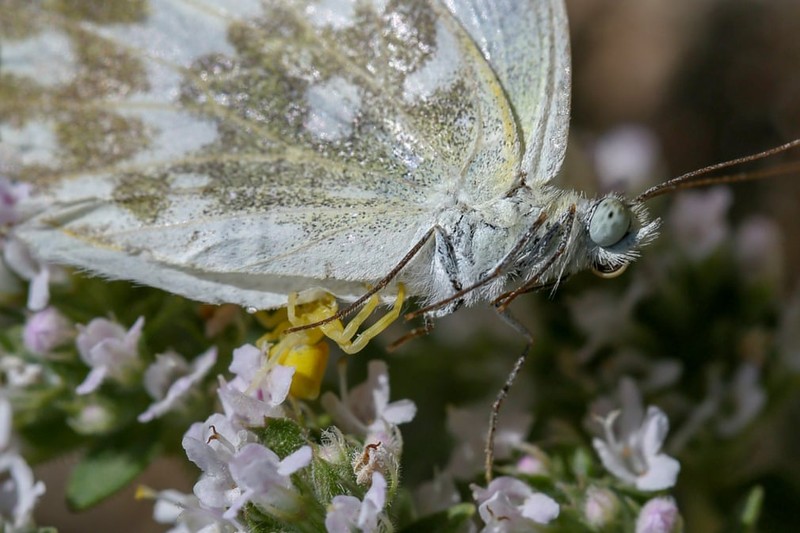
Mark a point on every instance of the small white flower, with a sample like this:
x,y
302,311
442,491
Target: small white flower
x,y
255,376
19,259
46,330
109,350
263,478
635,458
366,409
170,378
659,515
508,505
211,445
348,513
258,388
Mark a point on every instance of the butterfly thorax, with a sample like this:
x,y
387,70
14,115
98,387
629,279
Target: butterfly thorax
x,y
533,236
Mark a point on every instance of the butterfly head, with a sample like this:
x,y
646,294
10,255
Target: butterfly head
x,y
616,229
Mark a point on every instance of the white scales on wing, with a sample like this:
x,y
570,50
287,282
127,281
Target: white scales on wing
x,y
239,151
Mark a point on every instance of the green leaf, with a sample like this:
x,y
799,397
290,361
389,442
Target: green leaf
x,y
447,521
109,467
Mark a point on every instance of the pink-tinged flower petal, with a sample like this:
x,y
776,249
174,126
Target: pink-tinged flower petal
x,y
246,361
531,466
279,380
109,350
659,515
400,412
162,373
662,472
46,330
347,513
20,492
39,291
508,504
256,467
216,492
93,380
540,508
295,461
257,471
200,367
654,430
342,514
212,445
243,408
373,503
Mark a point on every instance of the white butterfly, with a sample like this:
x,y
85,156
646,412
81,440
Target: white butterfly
x,y
240,150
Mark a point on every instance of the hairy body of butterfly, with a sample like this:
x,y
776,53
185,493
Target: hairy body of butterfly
x,y
241,151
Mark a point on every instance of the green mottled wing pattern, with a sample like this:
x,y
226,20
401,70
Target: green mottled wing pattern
x,y
237,150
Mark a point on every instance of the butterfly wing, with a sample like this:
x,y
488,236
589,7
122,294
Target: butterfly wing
x,y
238,150
527,45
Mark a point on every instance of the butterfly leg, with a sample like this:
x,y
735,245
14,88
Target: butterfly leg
x,y
503,394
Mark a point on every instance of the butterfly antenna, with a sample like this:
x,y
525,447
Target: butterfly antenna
x,y
698,178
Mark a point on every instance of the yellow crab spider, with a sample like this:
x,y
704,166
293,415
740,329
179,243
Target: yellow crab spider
x,y
326,307
305,349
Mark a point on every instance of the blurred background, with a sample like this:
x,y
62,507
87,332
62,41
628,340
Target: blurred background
x,y
660,87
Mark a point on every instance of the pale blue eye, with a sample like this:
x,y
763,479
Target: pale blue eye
x,y
609,223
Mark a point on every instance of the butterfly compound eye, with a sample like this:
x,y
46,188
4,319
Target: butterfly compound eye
x,y
610,222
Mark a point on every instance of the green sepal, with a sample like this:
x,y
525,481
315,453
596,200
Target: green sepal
x,y
281,435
